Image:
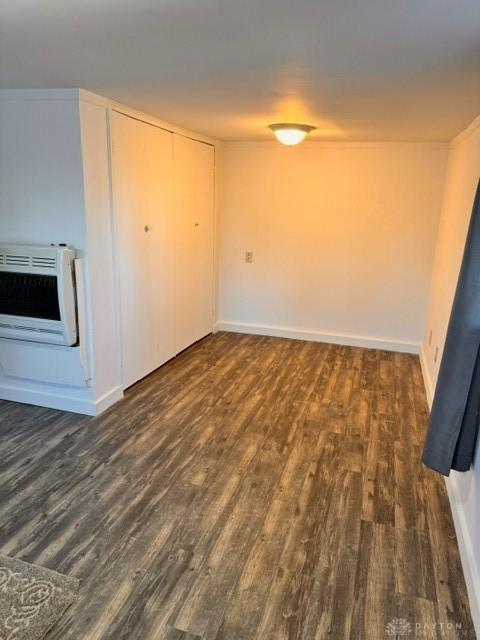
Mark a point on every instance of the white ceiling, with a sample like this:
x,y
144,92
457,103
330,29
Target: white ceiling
x,y
357,69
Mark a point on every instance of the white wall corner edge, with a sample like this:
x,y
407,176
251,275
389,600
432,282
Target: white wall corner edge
x,y
471,570
427,380
62,402
347,340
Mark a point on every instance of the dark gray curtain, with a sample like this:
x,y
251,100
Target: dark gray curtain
x,y
452,430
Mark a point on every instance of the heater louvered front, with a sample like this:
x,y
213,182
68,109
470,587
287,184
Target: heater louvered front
x,y
29,295
37,295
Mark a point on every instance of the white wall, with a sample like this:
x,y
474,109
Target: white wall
x,y
54,187
463,173
41,202
41,184
342,234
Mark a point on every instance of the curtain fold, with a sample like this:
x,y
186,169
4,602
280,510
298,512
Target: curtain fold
x,y
453,425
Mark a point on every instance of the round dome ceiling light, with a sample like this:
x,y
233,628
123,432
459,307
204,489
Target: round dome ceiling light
x,y
290,133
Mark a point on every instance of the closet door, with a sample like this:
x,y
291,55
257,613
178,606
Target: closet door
x,y
162,243
142,194
194,210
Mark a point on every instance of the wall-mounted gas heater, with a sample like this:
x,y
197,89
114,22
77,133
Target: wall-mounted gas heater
x,y
37,294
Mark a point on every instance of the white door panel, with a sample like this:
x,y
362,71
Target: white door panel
x,y
143,187
162,240
194,203
129,168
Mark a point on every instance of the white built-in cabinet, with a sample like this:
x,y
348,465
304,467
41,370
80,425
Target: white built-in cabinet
x,y
163,200
68,159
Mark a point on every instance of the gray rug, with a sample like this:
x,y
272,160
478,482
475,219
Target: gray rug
x,y
32,599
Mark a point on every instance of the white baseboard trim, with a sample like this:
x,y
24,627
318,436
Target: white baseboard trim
x,y
469,559
427,380
46,399
85,406
470,566
108,399
316,336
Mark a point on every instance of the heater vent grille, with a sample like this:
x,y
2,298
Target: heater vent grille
x,y
43,262
16,260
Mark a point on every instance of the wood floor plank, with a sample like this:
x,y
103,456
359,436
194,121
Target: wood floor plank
x,y
175,634
374,593
204,605
259,570
253,488
378,482
411,482
414,564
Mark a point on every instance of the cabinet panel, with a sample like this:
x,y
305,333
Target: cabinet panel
x,y
194,211
160,214
129,168
142,188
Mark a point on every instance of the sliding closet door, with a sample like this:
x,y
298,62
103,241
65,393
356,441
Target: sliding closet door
x,y
142,190
162,243
194,210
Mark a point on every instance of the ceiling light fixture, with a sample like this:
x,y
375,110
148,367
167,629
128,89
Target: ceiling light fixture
x,y
290,133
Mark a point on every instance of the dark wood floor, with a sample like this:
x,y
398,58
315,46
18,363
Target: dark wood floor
x,y
252,488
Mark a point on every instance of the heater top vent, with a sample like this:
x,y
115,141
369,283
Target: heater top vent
x,y
31,257
16,260
37,261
